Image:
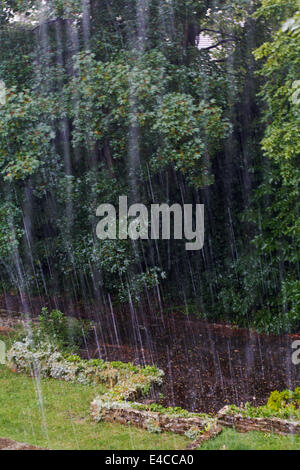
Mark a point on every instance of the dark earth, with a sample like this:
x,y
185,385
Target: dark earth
x,y
8,444
206,365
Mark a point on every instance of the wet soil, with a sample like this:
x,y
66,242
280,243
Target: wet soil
x,y
206,365
8,444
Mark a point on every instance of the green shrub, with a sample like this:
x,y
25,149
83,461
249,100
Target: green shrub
x,y
285,405
65,332
284,399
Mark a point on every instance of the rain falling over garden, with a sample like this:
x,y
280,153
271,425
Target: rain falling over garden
x,y
149,225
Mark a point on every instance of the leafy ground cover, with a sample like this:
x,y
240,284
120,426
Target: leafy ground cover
x,y
285,405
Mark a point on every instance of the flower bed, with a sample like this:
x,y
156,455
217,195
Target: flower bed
x,y
237,418
281,414
179,421
125,380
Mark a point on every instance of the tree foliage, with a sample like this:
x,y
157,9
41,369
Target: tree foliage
x,y
102,99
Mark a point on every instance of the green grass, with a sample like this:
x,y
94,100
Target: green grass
x,y
61,420
232,440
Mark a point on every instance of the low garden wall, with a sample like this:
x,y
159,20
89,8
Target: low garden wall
x,y
244,424
191,425
195,426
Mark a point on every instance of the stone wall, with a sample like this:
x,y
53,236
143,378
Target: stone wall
x,y
180,425
142,419
269,425
206,436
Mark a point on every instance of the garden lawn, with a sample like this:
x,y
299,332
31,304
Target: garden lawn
x,y
55,414
253,440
